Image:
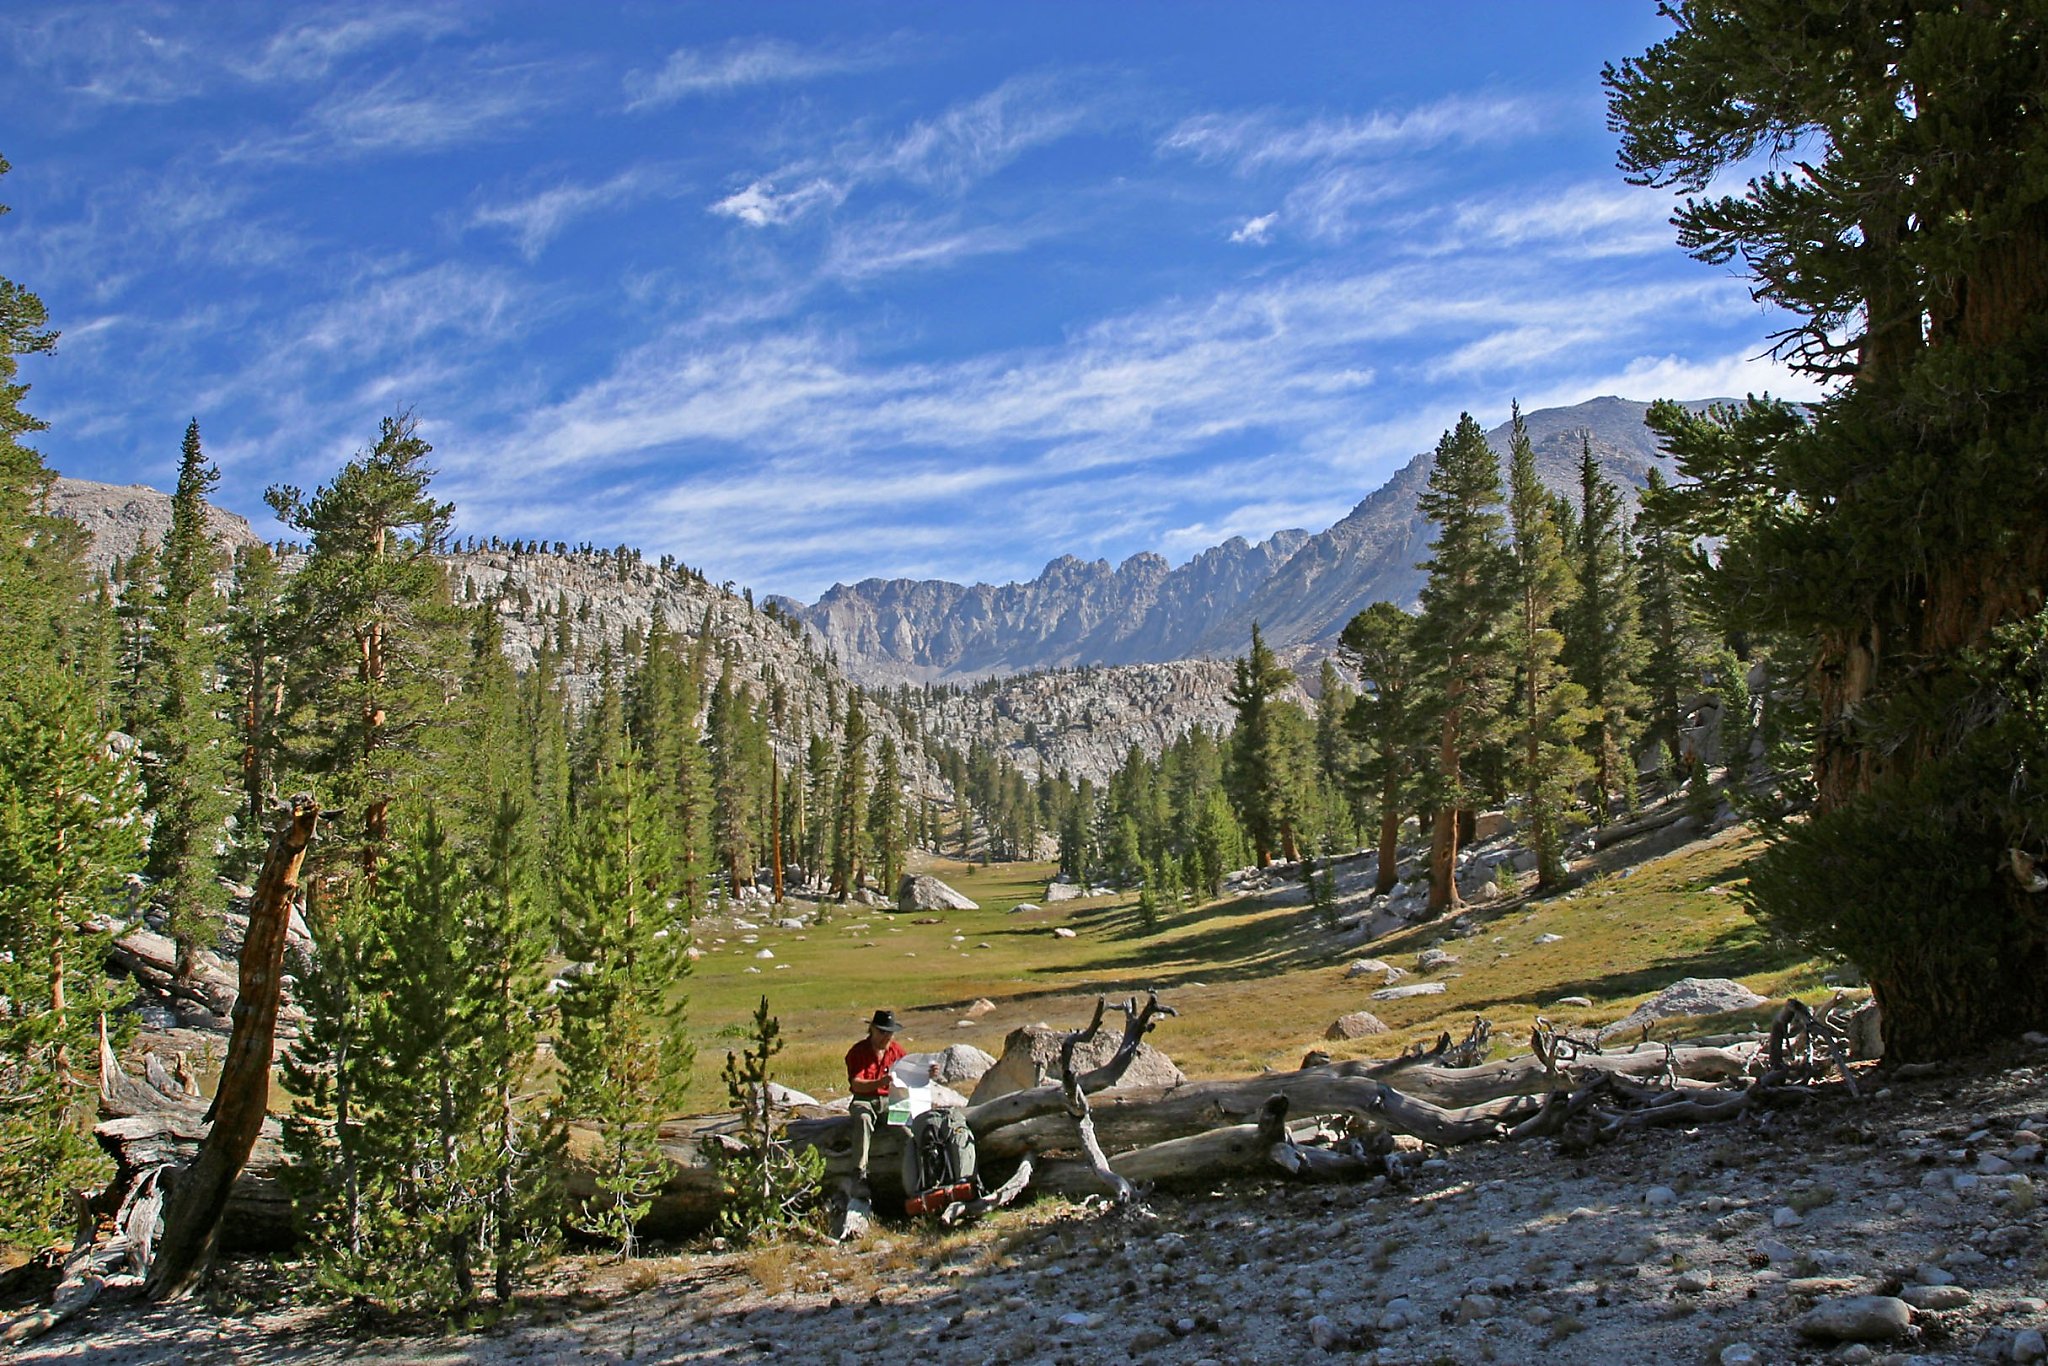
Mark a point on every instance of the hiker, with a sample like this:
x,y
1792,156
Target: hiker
x,y
869,1078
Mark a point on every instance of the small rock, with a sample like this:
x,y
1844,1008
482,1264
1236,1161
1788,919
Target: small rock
x,y
1582,1002
1775,1250
1062,932
982,1006
1475,1307
1927,1273
1739,1354
1935,1297
1815,1286
1402,993
2029,1345
1857,1318
1784,1216
765,953
1660,1195
1357,1025
1429,960
1991,1165
1693,1283
1077,1319
1323,1333
1550,939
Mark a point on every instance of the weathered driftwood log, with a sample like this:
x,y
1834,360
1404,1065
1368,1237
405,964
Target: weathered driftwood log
x,y
1428,1099
241,1104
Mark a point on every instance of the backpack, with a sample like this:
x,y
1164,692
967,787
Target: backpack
x,y
938,1161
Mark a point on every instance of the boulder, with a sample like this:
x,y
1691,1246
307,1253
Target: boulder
x,y
923,892
960,1062
982,1006
1031,1057
1024,907
1402,993
1857,1318
1429,960
1357,1025
1490,825
1689,996
1063,891
1373,967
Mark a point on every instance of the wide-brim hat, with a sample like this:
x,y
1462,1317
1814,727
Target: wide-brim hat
x,y
885,1020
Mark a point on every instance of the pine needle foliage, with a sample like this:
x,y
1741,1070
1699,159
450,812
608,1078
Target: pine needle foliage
x,y
625,1057
770,1186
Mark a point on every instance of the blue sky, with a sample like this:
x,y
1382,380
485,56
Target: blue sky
x,y
803,293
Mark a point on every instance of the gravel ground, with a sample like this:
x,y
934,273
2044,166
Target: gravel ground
x,y
1914,1217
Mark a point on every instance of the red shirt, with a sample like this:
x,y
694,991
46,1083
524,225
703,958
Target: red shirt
x,y
863,1064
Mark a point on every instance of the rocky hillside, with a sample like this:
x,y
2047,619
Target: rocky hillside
x,y
599,597
1074,612
1300,588
123,517
1083,721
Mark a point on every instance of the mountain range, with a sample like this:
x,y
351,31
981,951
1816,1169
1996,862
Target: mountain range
x,y
1300,588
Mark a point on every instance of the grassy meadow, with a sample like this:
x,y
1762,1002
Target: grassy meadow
x,y
1257,980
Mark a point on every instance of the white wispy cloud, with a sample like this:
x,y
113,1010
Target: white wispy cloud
x,y
761,205
425,107
1256,231
1328,206
1733,375
1160,382
537,219
893,241
1588,220
950,152
308,51
108,56
764,61
1250,141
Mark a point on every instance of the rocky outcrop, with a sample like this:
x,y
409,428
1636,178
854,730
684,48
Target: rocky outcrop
x,y
1074,612
923,892
1083,721
123,517
1031,1057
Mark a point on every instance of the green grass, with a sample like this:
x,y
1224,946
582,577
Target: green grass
x,y
1256,984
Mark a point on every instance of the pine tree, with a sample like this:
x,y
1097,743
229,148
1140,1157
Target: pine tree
x,y
885,815
769,1183
1256,778
374,641
508,938
1671,663
253,679
850,806
1336,753
1603,637
1459,639
69,833
624,1053
1385,722
1898,529
1550,708
184,737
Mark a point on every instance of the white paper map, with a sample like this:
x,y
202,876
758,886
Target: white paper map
x,y
910,1091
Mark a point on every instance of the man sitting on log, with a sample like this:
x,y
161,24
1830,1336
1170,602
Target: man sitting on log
x,y
868,1076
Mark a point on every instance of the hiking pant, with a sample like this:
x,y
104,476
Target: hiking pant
x,y
868,1115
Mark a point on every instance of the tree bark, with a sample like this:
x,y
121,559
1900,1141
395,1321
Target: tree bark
x,y
242,1101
